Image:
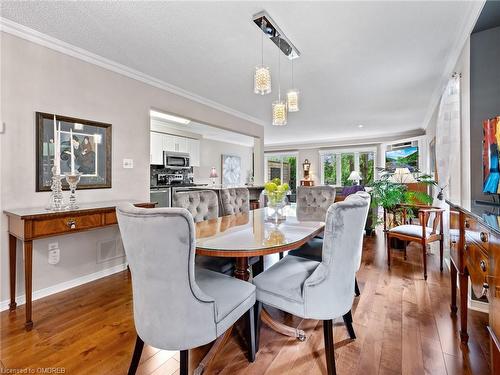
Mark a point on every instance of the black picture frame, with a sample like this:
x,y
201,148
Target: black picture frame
x,y
93,159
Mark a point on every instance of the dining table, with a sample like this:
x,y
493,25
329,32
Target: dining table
x,y
259,232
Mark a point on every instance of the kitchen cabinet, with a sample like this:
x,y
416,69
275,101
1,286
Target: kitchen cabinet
x,y
166,142
193,147
156,148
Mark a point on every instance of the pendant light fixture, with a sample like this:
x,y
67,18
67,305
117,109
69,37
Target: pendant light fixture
x,y
292,97
262,74
279,106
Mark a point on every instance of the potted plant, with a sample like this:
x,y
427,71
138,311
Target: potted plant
x,y
389,195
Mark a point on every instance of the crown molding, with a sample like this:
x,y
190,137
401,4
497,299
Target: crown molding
x,y
341,142
26,33
469,23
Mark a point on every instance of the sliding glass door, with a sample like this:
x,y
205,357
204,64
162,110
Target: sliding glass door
x,y
284,167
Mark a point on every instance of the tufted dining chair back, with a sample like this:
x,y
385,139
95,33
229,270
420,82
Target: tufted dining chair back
x,y
234,201
335,275
315,196
367,198
202,204
170,310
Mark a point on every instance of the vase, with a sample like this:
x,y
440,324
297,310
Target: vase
x,y
275,205
72,179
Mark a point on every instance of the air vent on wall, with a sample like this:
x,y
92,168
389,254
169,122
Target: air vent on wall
x,y
398,146
109,249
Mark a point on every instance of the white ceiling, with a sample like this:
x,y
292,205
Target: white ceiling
x,y
379,64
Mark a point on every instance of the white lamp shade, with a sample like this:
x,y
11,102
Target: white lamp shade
x,y
355,176
402,176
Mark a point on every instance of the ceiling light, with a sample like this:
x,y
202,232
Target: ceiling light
x,y
279,113
360,126
170,118
279,106
292,97
262,74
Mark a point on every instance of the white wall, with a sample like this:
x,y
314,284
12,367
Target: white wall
x,y
37,78
211,156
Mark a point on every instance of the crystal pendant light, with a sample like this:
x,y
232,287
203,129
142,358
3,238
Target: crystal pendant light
x,y
292,97
279,106
262,74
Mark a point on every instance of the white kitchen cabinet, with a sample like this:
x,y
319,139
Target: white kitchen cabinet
x,y
193,146
156,148
166,142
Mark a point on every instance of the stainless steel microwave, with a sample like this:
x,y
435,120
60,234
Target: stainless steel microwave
x,y
176,160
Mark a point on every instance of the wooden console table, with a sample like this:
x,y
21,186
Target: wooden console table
x,y
35,223
475,255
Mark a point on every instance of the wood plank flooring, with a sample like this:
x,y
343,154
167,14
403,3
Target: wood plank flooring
x,y
403,326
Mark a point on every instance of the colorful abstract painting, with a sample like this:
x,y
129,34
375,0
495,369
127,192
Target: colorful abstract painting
x,y
491,140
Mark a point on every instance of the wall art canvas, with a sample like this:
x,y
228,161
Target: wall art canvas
x,y
231,170
491,140
91,142
402,158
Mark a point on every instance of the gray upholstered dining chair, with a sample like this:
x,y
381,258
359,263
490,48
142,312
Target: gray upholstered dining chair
x,y
234,201
316,196
319,290
177,306
204,205
313,249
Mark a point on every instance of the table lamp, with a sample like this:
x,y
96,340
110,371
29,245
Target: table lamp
x,y
213,175
355,176
402,176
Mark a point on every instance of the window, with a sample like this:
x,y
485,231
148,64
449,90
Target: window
x,y
284,167
337,165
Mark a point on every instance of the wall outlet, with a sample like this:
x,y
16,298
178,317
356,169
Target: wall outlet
x,y
54,253
128,163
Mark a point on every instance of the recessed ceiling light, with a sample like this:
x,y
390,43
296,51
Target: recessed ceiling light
x,y
360,126
164,116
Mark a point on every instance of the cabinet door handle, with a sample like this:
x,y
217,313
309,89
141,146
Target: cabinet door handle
x,y
482,264
483,236
485,290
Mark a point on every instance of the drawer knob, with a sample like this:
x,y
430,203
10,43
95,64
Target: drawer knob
x,y
485,290
482,264
71,223
467,224
483,236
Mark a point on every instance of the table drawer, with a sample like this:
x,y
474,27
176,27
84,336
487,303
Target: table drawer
x,y
478,266
477,233
110,218
66,224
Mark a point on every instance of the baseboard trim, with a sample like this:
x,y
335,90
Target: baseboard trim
x,y
21,300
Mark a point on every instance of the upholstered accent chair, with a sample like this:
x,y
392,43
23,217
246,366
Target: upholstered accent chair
x,y
177,306
320,289
430,219
204,205
234,201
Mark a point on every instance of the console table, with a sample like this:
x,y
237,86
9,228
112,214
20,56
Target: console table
x,y
35,223
475,254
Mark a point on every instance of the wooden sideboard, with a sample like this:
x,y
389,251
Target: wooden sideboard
x,y
35,223
475,256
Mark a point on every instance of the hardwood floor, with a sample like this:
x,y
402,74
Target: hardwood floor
x,y
403,326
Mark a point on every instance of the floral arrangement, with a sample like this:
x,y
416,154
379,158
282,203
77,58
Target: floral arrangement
x,y
276,191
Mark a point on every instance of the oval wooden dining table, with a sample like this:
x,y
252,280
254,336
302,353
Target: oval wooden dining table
x,y
256,233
